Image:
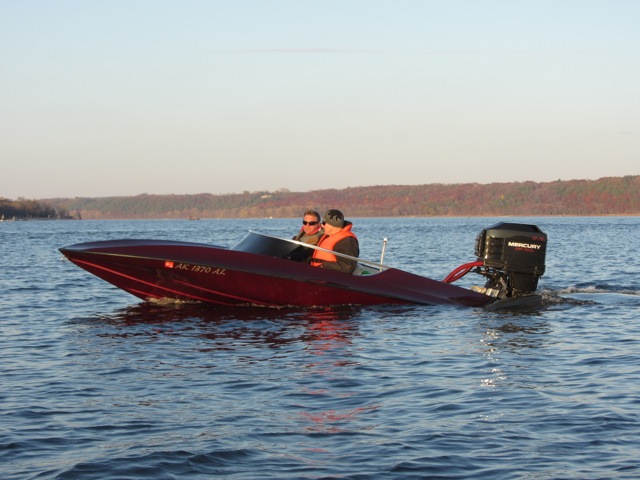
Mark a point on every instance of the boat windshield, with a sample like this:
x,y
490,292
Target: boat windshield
x,y
265,245
261,244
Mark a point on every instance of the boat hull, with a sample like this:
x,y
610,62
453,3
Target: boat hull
x,y
155,269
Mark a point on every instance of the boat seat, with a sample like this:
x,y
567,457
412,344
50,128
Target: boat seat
x,y
364,270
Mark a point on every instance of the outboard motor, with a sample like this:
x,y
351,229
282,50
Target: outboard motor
x,y
512,256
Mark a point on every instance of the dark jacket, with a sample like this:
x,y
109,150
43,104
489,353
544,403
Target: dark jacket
x,y
312,239
302,254
348,246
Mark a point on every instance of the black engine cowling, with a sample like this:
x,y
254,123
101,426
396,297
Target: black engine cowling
x,y
513,256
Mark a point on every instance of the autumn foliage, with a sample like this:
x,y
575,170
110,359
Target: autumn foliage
x,y
605,196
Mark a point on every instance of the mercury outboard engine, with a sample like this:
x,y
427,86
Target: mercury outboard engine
x,y
511,256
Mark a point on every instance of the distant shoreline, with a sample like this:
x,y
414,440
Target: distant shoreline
x,y
611,196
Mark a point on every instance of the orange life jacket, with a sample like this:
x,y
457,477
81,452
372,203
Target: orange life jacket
x,y
328,242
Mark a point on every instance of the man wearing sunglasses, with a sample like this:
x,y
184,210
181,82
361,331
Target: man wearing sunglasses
x,y
339,238
310,233
311,229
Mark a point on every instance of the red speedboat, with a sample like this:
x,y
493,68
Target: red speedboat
x,y
256,272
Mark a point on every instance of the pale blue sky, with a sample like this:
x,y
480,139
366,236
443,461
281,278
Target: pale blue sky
x,y
122,97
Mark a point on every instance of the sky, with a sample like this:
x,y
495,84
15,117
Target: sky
x,y
125,97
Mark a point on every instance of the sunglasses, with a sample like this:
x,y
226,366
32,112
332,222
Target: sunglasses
x,y
304,222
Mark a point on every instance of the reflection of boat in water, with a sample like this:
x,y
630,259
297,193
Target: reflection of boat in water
x,y
232,328
256,272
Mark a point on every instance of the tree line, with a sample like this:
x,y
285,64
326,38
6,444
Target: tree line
x,y
23,209
605,196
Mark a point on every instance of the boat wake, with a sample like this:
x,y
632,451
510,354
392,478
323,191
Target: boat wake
x,y
172,301
585,294
544,298
601,288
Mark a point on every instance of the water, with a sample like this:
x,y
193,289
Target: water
x,y
98,385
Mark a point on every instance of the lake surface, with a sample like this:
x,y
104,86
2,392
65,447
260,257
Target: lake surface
x,y
96,384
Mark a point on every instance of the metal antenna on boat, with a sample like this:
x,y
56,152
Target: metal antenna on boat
x,y
384,246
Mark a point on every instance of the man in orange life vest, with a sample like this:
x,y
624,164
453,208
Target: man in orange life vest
x,y
339,238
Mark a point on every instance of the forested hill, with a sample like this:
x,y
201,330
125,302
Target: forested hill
x,y
23,209
605,196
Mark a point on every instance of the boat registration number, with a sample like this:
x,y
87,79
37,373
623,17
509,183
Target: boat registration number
x,y
195,268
